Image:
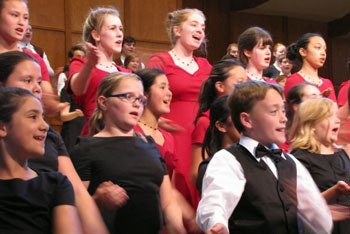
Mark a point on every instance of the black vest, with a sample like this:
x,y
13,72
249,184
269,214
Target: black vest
x,y
266,206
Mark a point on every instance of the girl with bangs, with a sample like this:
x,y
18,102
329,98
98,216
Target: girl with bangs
x,y
254,46
313,136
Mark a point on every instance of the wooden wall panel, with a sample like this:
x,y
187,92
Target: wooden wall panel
x,y
339,59
53,43
47,14
146,19
273,24
79,9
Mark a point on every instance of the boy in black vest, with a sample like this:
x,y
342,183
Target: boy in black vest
x,y
252,187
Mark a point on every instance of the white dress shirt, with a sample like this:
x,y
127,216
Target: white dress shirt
x,y
224,183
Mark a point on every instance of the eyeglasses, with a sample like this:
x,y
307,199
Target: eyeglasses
x,y
131,98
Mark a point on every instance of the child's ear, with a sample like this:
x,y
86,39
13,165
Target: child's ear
x,y
101,101
247,53
302,52
95,35
177,31
3,130
245,120
220,126
219,86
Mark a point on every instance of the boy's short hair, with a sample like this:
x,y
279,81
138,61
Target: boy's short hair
x,y
245,96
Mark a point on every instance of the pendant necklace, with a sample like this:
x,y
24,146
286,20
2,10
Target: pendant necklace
x,y
181,60
148,125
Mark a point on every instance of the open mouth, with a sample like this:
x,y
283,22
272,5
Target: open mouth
x,y
134,113
40,138
20,30
196,37
335,130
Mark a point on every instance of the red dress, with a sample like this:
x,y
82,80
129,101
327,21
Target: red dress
x,y
44,72
200,128
87,101
296,78
183,108
167,150
343,93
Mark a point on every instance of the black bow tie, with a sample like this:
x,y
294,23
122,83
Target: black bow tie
x,y
274,154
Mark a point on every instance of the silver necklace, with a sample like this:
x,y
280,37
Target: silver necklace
x,y
106,66
311,79
253,77
182,60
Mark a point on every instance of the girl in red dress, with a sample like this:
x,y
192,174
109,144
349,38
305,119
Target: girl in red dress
x,y
103,34
310,52
156,88
186,74
254,46
222,79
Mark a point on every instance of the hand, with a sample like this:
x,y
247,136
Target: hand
x,y
339,212
79,113
52,105
326,92
92,54
343,188
218,228
192,227
109,195
169,125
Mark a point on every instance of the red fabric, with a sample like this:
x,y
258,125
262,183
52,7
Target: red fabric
x,y
200,128
44,72
296,78
343,93
284,147
167,150
87,101
183,108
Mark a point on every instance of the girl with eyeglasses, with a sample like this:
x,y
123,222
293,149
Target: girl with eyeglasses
x,y
123,170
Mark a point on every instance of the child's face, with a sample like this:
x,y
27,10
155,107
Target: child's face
x,y
110,37
27,130
267,120
315,53
13,20
236,75
327,130
191,32
260,56
26,75
159,96
119,111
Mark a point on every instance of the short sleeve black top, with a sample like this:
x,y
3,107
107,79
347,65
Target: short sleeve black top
x,y
26,206
133,164
327,170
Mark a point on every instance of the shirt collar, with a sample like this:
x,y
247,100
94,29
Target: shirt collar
x,y
251,144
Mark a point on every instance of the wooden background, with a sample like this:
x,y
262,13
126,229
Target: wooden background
x,y
58,24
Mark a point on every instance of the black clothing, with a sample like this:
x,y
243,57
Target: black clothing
x,y
267,205
133,164
327,170
26,206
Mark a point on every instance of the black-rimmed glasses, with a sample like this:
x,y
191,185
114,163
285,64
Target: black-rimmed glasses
x,y
131,98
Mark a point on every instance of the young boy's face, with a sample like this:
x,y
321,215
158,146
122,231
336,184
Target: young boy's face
x,y
267,119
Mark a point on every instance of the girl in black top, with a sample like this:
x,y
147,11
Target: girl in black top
x,y
313,134
31,201
21,70
124,171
